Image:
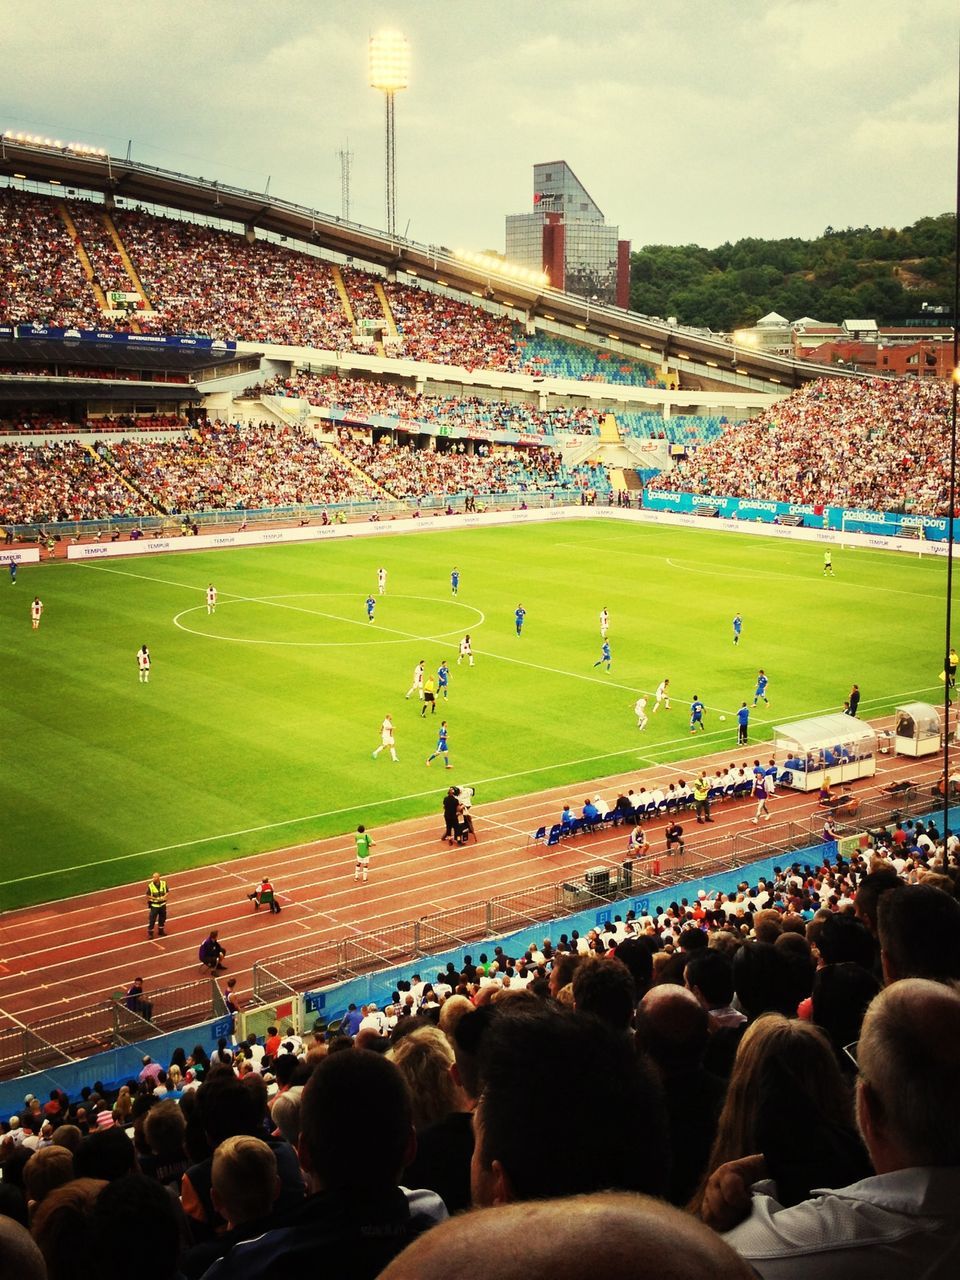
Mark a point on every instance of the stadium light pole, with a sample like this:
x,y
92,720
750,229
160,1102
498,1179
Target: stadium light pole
x,y
951,500
389,73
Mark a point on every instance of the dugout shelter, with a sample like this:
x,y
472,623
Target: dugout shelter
x,y
838,748
917,729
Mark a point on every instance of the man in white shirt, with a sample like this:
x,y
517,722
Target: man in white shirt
x,y
903,1220
417,685
373,1021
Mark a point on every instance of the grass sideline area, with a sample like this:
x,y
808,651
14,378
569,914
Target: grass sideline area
x,y
257,726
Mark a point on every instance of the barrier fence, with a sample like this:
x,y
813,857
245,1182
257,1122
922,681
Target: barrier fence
x,y
336,960
109,1024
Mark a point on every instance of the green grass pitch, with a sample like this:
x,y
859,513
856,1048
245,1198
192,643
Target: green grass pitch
x,y
257,726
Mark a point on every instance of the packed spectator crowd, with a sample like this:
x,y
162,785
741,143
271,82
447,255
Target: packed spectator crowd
x,y
420,473
882,445
105,261
214,283
220,466
41,279
62,481
235,467
754,1083
363,397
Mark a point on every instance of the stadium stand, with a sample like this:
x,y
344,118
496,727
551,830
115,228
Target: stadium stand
x,y
686,429
800,450
365,396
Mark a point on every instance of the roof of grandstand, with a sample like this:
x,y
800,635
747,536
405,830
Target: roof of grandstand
x,y
699,356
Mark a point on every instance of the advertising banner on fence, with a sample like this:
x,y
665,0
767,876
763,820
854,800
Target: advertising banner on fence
x,y
424,524
30,332
853,520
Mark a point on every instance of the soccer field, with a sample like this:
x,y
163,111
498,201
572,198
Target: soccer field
x,y
257,726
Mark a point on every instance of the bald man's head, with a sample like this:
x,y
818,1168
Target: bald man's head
x,y
20,1259
549,1240
672,1026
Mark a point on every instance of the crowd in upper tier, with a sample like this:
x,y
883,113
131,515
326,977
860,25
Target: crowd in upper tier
x,y
753,1083
882,445
201,280
362,397
418,473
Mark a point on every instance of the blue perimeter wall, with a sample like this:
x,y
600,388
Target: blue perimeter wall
x,y
858,520
331,1002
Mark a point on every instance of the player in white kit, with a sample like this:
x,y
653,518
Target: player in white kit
x,y
662,695
211,599
143,663
640,707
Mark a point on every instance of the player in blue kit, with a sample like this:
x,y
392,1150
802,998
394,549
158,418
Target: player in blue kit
x,y
371,606
743,724
604,659
696,715
442,749
519,615
443,680
455,581
761,689
737,628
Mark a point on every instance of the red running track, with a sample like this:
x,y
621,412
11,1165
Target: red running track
x,y
64,956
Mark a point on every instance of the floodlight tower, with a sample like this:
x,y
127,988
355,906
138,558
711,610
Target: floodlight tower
x,y
390,72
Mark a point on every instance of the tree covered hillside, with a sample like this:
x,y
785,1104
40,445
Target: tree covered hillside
x,y
879,273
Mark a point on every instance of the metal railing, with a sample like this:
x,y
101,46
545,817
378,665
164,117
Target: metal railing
x,y
335,960
109,1024
210,521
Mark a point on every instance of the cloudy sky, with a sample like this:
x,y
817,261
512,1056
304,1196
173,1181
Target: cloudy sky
x,y
688,121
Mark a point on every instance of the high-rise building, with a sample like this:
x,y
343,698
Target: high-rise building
x,y
566,236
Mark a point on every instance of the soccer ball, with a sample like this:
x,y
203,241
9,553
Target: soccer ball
x,y
723,717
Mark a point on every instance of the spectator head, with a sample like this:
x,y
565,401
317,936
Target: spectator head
x,y
546,1074
840,938
841,995
244,1179
424,1058
672,1027
638,958
605,989
869,892
777,1060
553,1238
562,971
49,1168
227,1106
801,965
285,1066
20,1259
919,930
67,1135
908,1106
709,975
767,925
106,1154
762,980
349,1147
165,1129
61,1228
134,1231
285,1113
451,1011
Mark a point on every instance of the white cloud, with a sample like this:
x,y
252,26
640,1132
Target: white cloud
x,y
699,120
